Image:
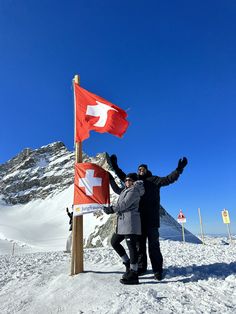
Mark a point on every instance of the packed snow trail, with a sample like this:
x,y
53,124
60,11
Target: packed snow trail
x,y
199,279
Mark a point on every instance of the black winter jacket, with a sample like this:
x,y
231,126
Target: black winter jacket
x,y
71,220
149,205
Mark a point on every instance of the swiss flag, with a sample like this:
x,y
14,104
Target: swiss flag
x,y
91,188
93,112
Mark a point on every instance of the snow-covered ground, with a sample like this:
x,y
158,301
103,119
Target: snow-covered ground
x,y
35,272
199,279
40,225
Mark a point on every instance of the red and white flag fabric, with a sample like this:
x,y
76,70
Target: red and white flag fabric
x,y
91,188
93,112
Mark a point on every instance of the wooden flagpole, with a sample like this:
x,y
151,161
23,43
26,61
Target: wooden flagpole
x,y
77,260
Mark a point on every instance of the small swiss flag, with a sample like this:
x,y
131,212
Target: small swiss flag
x,y
91,188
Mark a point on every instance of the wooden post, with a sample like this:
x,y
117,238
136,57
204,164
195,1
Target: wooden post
x,y
229,233
13,249
77,259
200,219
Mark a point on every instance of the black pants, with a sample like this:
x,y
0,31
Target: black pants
x,y
131,241
152,235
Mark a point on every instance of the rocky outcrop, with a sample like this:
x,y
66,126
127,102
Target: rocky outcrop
x,y
36,173
39,173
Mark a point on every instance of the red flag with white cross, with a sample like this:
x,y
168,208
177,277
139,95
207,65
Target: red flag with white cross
x,y
91,188
93,112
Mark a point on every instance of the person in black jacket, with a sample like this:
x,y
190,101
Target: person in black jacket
x,y
149,207
69,239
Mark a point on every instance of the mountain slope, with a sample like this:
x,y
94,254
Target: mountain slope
x,y
35,188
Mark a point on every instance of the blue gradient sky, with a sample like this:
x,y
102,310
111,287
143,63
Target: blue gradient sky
x,y
170,64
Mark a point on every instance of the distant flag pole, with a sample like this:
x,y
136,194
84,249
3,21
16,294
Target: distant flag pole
x,y
182,220
200,219
77,260
183,231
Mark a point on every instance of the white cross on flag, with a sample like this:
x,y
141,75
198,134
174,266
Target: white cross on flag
x,y
91,188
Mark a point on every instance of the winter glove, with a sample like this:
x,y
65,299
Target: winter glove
x,y
108,210
181,164
120,174
113,159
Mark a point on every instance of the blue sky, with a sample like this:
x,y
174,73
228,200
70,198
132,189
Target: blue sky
x,y
170,64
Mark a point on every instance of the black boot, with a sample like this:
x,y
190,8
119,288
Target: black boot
x,y
127,266
158,275
130,278
142,271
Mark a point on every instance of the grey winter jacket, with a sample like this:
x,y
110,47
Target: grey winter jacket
x,y
128,217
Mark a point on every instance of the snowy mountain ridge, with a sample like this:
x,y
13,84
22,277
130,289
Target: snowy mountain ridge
x,y
35,188
39,173
36,173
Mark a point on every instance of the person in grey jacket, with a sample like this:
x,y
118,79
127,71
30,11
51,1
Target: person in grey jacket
x,y
128,224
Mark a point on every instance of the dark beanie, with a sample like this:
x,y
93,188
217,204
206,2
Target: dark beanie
x,y
144,166
133,176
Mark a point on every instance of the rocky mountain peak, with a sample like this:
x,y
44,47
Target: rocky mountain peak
x,y
39,173
36,173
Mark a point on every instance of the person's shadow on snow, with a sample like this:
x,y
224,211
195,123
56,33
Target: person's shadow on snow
x,y
191,273
200,272
103,272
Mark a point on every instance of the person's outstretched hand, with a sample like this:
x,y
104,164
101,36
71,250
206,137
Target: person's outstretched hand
x,y
182,164
119,172
113,159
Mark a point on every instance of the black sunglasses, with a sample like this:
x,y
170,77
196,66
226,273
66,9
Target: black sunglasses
x,y
142,169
